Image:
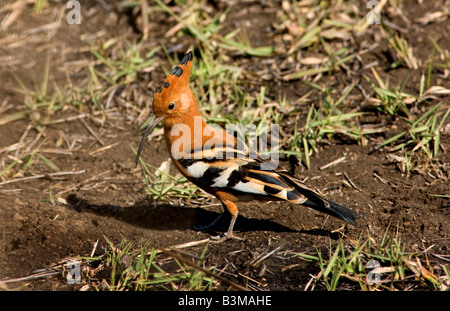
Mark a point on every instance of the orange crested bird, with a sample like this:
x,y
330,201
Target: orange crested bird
x,y
211,159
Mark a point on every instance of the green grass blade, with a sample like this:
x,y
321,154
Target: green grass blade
x,y
47,162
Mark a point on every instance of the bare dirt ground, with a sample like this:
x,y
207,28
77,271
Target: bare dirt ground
x,y
106,197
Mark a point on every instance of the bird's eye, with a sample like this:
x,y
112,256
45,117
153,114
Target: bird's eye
x,y
171,106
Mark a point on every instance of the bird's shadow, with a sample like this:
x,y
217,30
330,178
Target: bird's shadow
x,y
171,217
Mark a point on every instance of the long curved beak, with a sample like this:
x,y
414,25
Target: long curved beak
x,y
154,121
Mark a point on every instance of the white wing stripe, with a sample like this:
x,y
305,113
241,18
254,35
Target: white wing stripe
x,y
248,187
197,169
222,180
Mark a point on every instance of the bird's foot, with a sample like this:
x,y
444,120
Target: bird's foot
x,y
225,236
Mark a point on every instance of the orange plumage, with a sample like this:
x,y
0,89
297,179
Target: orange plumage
x,y
202,154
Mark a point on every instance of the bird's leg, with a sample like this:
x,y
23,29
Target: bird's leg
x,y
232,208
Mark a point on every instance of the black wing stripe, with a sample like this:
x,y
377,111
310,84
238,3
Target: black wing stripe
x,y
272,191
292,196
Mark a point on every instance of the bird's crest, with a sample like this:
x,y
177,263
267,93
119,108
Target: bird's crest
x,y
177,80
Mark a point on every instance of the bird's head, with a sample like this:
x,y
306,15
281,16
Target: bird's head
x,y
173,101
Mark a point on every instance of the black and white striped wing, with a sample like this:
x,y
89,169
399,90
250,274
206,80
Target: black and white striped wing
x,y
240,175
249,178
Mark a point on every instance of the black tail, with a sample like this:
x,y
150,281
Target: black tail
x,y
315,201
333,209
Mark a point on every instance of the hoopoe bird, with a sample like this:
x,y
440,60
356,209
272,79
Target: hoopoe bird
x,y
210,158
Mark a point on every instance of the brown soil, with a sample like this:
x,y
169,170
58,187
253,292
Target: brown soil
x,y
109,200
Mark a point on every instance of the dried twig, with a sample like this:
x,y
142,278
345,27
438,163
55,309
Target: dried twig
x,y
18,8
264,256
335,162
104,148
40,176
189,244
201,269
30,277
351,182
91,131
